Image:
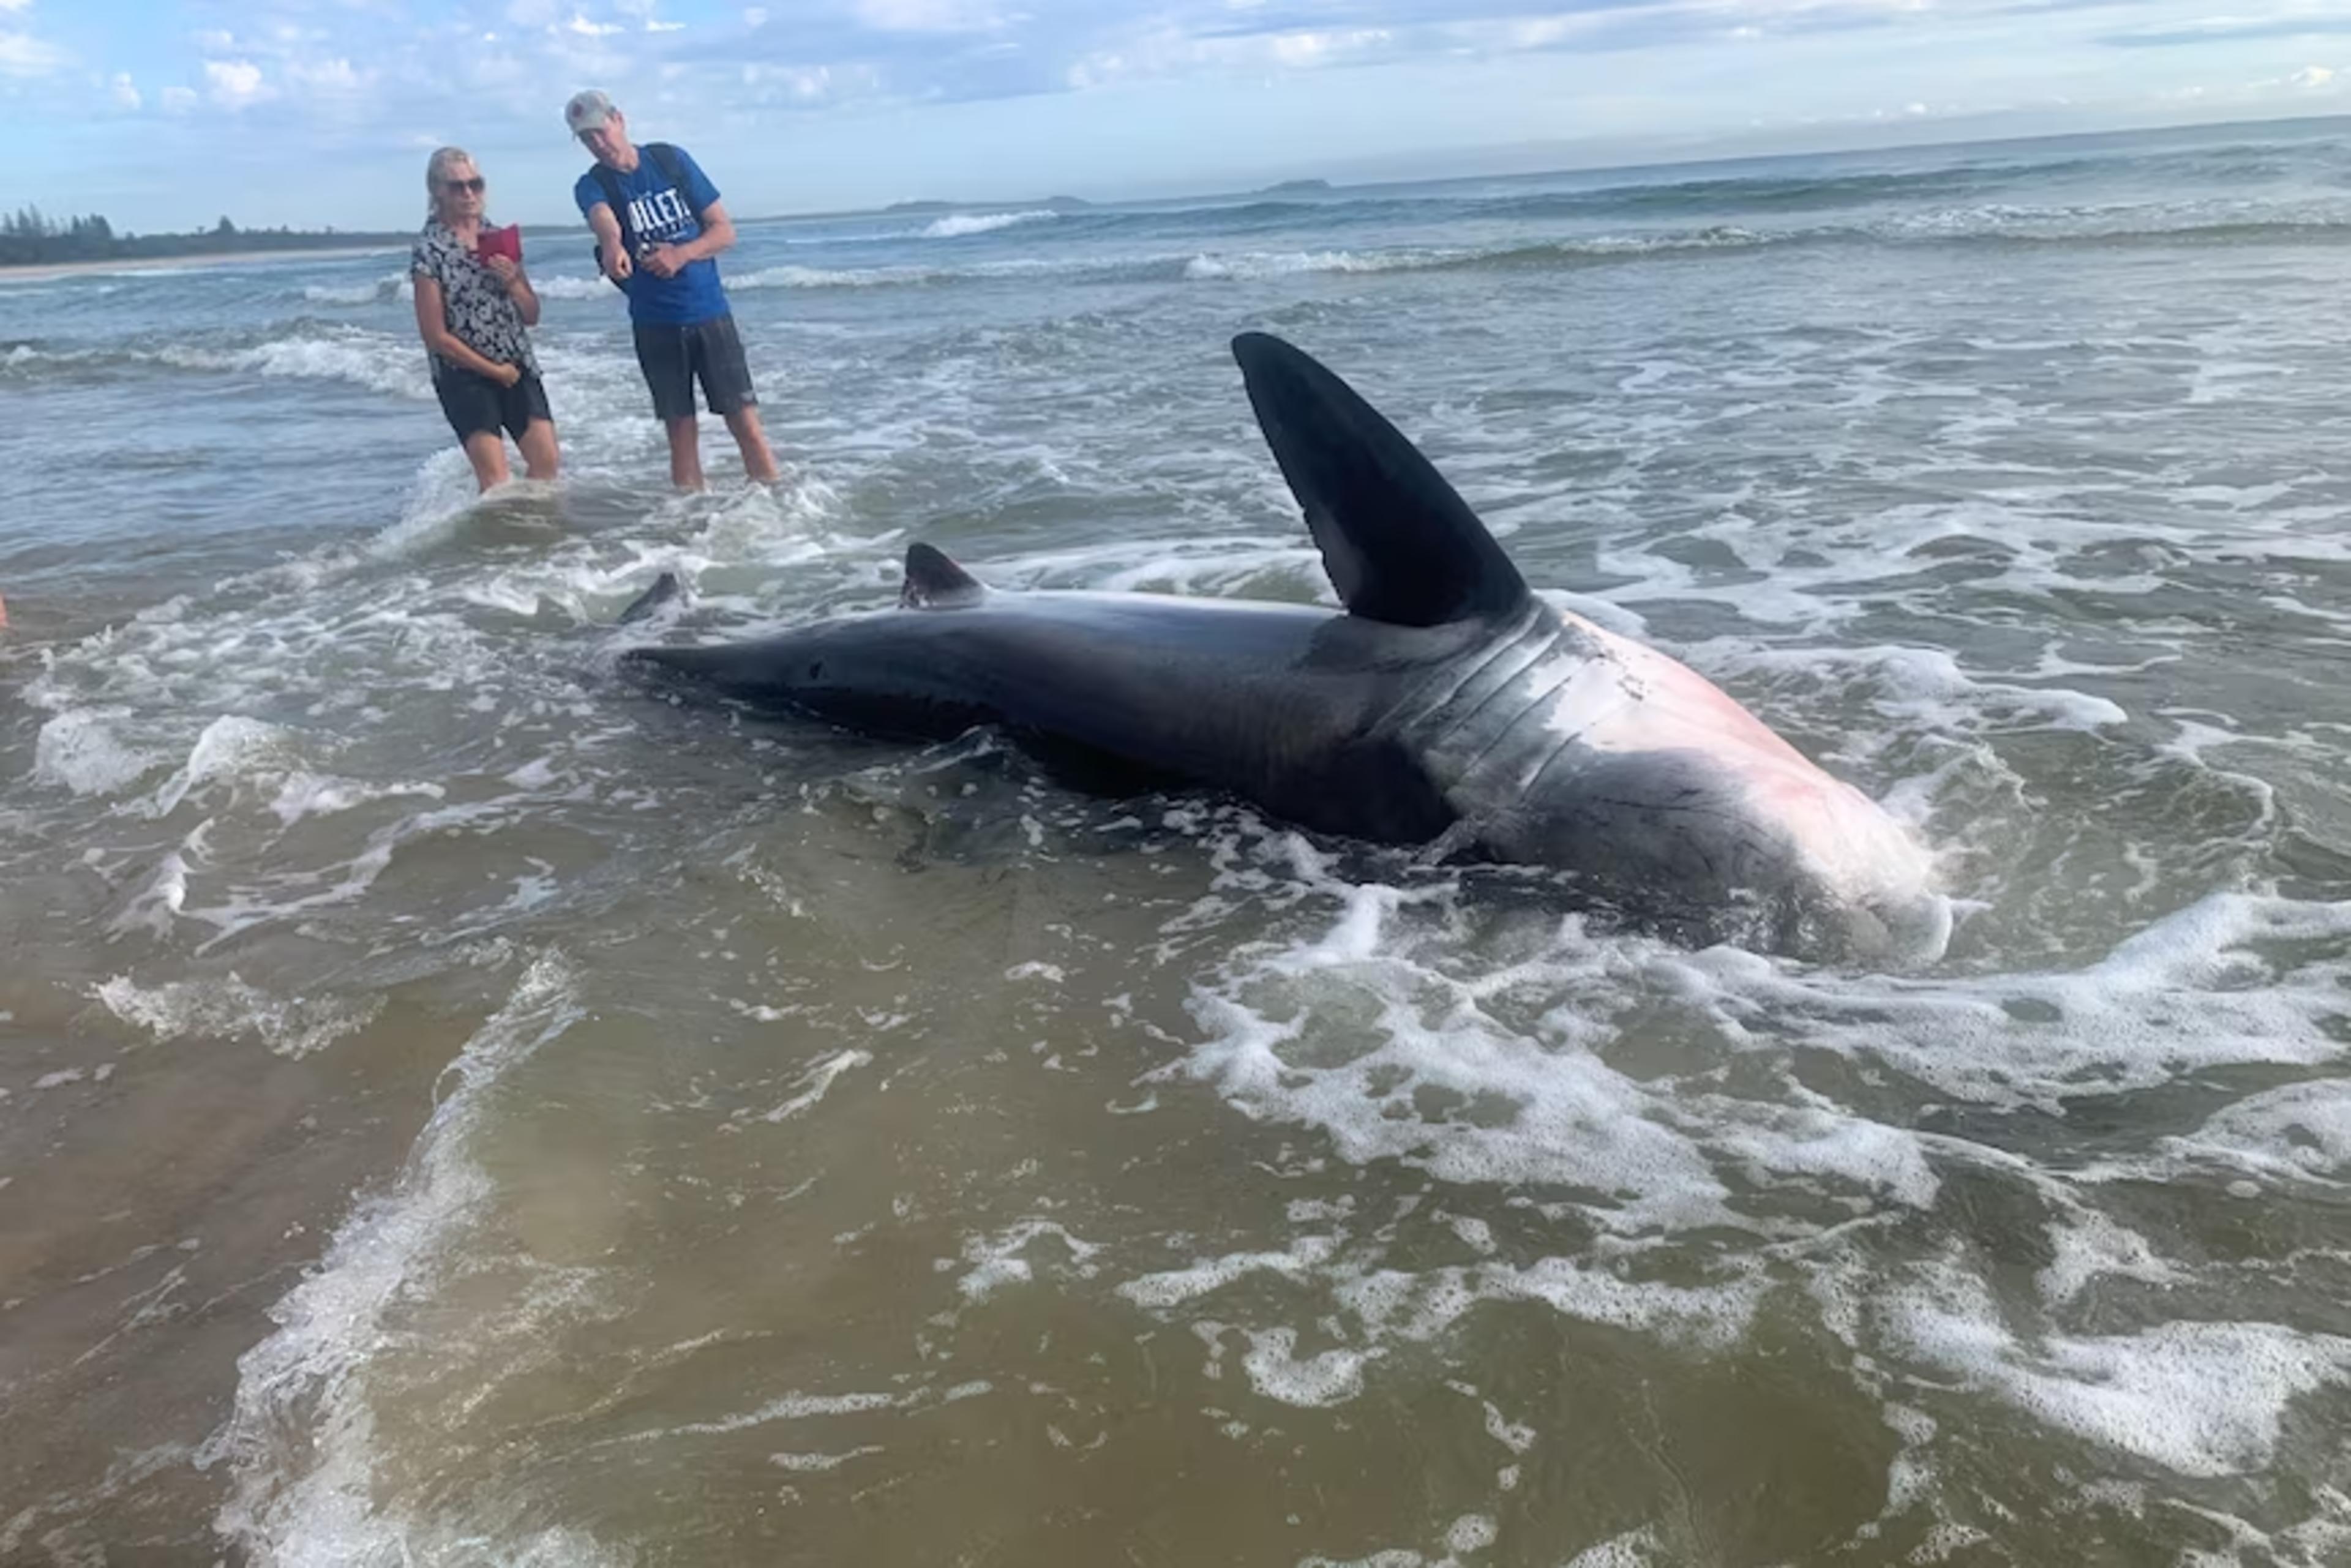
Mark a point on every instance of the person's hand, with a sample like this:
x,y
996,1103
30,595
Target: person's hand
x,y
665,261
507,375
617,266
509,273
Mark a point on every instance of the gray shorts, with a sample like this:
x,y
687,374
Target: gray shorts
x,y
672,357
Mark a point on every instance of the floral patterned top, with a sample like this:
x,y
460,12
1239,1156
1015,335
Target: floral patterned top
x,y
475,306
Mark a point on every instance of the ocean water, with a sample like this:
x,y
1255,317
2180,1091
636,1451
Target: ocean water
x,y
457,1107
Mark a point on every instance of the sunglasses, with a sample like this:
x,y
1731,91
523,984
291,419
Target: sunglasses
x,y
475,184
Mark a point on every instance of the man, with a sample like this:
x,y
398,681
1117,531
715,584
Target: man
x,y
658,222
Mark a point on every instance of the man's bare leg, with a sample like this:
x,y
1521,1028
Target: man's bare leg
x,y
487,451
758,461
684,453
539,453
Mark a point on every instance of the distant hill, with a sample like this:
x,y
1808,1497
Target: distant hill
x,y
1298,188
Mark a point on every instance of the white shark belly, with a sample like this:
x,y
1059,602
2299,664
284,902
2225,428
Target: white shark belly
x,y
1848,839
1611,759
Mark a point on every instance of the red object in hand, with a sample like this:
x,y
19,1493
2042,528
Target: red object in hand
x,y
506,241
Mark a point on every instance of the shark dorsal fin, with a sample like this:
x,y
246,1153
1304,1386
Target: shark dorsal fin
x,y
1400,544
934,582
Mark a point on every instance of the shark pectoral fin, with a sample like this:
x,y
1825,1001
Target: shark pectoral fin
x,y
1463,834
933,582
665,588
1400,544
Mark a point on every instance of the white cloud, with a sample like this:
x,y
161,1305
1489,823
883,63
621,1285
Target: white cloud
x,y
1550,32
806,84
178,100
15,5
643,11
587,29
216,41
1167,52
2313,75
335,76
23,54
491,71
928,15
1317,48
124,91
756,16
236,83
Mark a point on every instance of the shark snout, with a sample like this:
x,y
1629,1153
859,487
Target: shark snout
x,y
1900,930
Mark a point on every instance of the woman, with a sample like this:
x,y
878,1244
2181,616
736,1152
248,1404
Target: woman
x,y
473,311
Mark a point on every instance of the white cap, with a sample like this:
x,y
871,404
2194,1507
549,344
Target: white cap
x,y
588,111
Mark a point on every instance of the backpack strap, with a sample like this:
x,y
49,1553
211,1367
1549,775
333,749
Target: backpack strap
x,y
666,158
671,164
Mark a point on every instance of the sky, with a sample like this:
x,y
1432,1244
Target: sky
x,y
168,114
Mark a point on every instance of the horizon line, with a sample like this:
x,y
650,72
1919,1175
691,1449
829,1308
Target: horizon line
x,y
1634,166
1468,156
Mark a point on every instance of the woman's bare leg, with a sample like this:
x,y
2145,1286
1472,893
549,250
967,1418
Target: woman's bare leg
x,y
539,453
487,451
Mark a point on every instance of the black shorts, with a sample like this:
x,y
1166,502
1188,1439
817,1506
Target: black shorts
x,y
672,357
475,404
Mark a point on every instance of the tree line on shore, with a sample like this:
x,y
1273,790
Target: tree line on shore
x,y
27,238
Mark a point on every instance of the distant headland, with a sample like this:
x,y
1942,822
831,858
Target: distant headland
x,y
29,239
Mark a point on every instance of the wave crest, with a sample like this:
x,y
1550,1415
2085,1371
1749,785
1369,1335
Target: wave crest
x,y
383,290
961,223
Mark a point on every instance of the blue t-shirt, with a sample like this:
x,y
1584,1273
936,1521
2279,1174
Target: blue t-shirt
x,y
661,213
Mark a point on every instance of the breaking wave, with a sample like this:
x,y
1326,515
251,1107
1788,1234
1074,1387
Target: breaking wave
x,y
963,223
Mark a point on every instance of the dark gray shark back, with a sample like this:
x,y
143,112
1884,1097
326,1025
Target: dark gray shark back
x,y
1282,704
